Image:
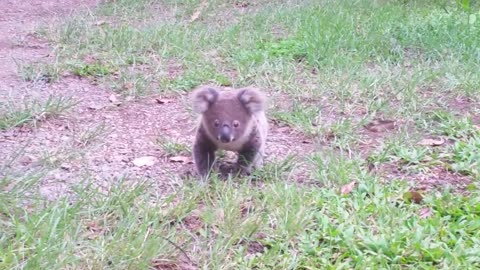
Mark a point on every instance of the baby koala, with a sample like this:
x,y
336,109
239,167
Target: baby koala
x,y
232,120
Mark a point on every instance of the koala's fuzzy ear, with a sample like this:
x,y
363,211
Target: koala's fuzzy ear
x,y
203,97
253,99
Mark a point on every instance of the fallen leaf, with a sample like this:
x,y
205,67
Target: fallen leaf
x,y
181,159
425,212
90,59
197,13
432,142
98,23
145,161
380,125
193,222
114,100
128,86
162,264
94,231
242,4
255,247
246,207
283,129
414,196
371,166
163,100
93,227
329,135
346,189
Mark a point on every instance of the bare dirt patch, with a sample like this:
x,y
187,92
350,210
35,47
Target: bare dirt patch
x,y
100,137
18,22
100,141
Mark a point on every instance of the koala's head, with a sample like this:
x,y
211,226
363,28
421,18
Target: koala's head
x,y
227,115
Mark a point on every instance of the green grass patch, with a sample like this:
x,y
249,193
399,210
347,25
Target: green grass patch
x,y
231,225
91,70
466,156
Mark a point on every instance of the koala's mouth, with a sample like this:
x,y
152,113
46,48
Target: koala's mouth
x,y
226,138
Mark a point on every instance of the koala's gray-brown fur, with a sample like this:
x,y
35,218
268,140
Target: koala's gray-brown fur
x,y
232,120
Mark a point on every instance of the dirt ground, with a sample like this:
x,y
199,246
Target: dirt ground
x,y
101,136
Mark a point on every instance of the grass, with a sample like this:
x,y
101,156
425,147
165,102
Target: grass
x,y
331,67
232,225
171,147
32,111
39,72
301,117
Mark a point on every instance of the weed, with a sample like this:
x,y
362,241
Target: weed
x,y
276,169
466,156
225,223
39,72
171,147
132,83
299,116
286,48
342,134
332,169
453,127
94,70
91,134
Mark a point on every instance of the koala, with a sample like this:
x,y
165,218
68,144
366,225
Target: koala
x,y
232,120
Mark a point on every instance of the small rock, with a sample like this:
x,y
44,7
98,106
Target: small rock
x,y
432,142
181,159
95,107
99,23
145,161
58,176
66,74
379,125
25,160
9,134
163,100
114,100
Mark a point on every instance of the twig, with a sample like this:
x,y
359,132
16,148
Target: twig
x,y
177,247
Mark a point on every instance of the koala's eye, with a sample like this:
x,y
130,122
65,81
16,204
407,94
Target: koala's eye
x,y
216,123
236,123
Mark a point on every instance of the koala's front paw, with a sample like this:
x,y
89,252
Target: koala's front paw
x,y
246,170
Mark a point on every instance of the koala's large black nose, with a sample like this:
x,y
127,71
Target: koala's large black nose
x,y
225,134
